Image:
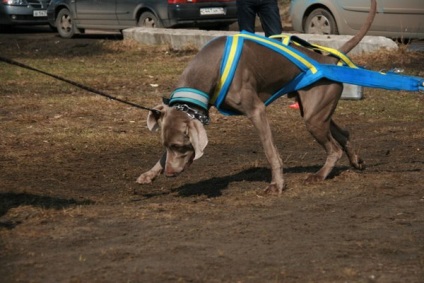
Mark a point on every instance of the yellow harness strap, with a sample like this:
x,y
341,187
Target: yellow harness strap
x,y
233,51
287,39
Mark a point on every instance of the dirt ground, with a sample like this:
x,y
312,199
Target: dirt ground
x,y
72,212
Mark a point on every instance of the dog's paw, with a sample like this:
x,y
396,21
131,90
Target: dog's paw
x,y
357,162
360,164
274,189
146,178
314,178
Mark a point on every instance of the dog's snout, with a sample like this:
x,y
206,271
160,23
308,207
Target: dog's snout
x,y
171,173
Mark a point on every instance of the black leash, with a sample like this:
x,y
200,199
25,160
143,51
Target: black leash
x,y
12,62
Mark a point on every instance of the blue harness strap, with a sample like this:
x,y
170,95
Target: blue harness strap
x,y
373,79
312,71
231,57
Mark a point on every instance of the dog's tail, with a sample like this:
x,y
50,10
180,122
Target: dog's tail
x,y
351,43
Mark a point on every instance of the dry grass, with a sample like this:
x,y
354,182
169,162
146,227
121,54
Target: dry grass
x,y
34,105
40,112
69,159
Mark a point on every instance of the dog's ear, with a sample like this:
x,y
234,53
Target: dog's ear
x,y
198,137
154,117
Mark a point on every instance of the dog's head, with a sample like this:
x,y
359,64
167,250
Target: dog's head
x,y
183,137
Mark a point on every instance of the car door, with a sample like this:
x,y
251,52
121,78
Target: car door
x,y
404,17
96,13
127,10
354,13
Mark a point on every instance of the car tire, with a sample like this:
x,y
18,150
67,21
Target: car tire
x,y
65,24
320,21
148,20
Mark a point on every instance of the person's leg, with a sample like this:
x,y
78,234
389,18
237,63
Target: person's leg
x,y
269,15
246,15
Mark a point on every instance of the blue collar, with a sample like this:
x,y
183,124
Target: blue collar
x,y
190,95
181,96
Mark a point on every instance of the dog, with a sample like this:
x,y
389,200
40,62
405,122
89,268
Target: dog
x,y
260,72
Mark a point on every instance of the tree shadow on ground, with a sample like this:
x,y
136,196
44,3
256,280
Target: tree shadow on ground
x,y
12,200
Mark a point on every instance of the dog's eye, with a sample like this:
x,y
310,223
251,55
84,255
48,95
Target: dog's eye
x,y
181,148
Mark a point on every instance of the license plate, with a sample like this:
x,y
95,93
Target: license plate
x,y
212,11
40,13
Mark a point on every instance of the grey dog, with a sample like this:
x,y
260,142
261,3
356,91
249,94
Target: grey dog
x,y
260,73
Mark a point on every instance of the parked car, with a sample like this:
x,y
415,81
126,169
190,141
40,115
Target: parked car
x,y
23,12
394,18
74,16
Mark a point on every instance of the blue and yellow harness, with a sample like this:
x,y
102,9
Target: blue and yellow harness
x,y
311,71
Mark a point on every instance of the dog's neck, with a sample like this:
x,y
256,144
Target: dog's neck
x,y
191,101
194,112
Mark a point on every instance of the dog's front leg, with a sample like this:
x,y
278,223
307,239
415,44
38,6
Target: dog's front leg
x,y
260,121
148,176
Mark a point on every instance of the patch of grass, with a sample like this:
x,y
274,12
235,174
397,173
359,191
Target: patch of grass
x,y
39,112
384,106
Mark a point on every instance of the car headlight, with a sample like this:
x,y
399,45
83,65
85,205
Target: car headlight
x,y
15,2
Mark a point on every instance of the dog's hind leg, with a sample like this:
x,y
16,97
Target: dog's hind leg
x,y
323,136
342,137
317,106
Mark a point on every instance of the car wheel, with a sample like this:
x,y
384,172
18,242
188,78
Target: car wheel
x,y
320,21
65,24
149,20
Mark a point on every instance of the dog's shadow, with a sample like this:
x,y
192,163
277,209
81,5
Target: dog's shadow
x,y
213,187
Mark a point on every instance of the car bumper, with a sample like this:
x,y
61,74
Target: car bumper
x,y
189,15
51,15
17,15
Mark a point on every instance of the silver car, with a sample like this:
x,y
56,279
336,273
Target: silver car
x,y
402,19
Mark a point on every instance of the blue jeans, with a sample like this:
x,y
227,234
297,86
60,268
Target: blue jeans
x,y
268,13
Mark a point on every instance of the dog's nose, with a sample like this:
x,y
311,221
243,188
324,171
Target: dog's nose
x,y
170,175
170,172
